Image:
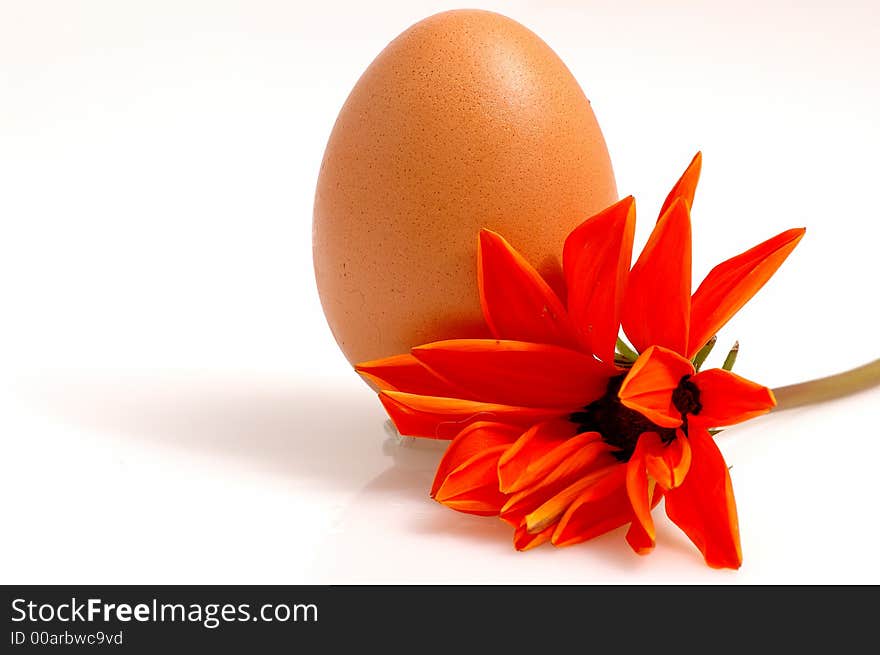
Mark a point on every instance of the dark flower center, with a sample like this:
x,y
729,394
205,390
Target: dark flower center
x,y
686,397
621,426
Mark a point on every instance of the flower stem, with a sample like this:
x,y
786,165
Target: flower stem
x,y
828,388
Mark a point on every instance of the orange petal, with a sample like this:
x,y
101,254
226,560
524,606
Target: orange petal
x,y
566,460
443,418
517,372
525,540
703,505
531,446
596,485
554,472
637,489
639,540
596,259
728,398
472,488
592,515
658,295
731,284
517,303
686,186
649,385
473,440
667,463
406,373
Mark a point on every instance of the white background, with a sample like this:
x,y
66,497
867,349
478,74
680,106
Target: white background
x,y
173,408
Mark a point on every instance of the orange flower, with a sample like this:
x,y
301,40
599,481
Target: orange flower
x,y
549,430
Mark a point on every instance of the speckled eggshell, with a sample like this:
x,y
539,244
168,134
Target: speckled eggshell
x,y
466,120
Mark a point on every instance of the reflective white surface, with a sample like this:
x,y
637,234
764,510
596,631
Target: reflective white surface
x,y
172,405
245,478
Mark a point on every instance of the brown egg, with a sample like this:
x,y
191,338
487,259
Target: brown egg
x,y
466,120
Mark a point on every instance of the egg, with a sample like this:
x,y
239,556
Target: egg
x,y
466,120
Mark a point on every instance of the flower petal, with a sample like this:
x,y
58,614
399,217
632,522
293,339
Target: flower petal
x,y
473,440
596,260
525,540
555,471
658,295
703,505
638,539
472,488
517,372
649,385
443,418
566,460
638,491
731,284
686,186
517,302
532,445
406,373
595,512
667,463
596,485
728,398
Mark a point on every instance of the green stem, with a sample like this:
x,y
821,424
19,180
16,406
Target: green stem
x,y
828,388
